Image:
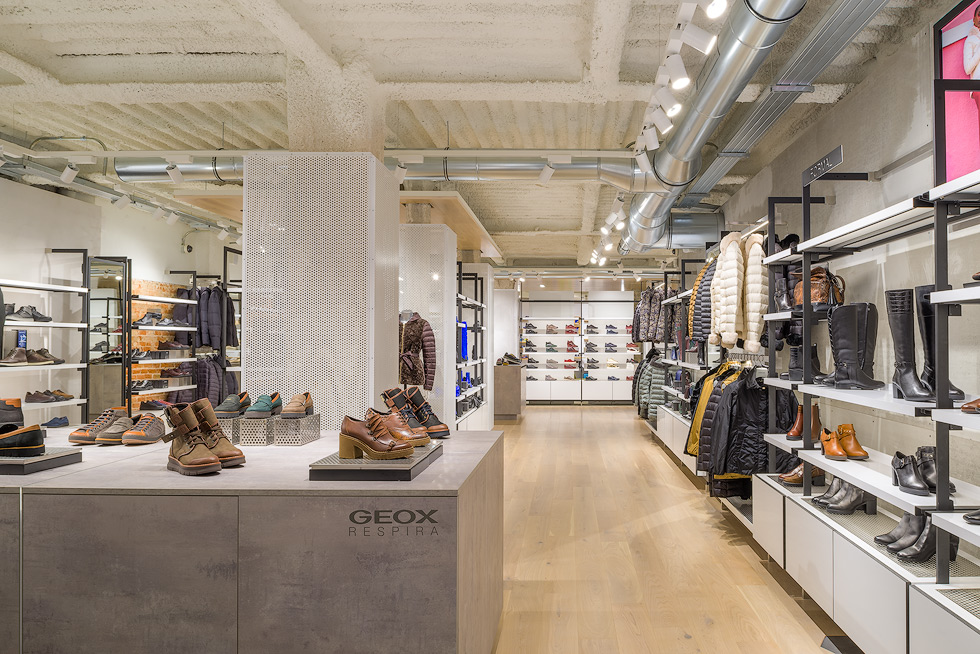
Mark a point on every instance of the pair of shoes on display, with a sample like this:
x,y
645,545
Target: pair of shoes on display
x,y
114,427
842,444
591,347
179,371
612,378
410,422
589,379
149,319
795,476
101,327
843,498
550,378
551,329
591,329
139,386
21,441
612,363
630,378
266,406
532,360
917,475
906,382
46,397
511,359
795,432
914,539
60,421
198,446
570,365
171,345
530,378
154,405
100,347
25,314
551,363
796,365
19,356
591,366
571,347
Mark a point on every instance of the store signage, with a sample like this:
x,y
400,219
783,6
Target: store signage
x,y
22,338
824,166
398,522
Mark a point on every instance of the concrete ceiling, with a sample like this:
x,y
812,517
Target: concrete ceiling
x,y
363,75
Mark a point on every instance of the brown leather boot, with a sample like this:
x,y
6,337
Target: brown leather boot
x,y
849,443
816,428
229,455
795,432
189,454
795,477
358,438
831,446
399,428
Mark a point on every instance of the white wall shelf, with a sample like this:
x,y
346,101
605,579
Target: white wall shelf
x,y
169,389
60,366
776,382
37,286
880,399
163,361
156,328
782,442
956,417
36,406
955,524
468,414
468,364
782,258
234,369
779,315
471,391
24,324
969,295
904,217
682,364
162,300
676,393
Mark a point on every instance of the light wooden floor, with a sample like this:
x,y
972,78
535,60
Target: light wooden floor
x,y
609,547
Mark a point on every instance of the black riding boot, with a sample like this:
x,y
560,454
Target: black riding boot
x,y
905,382
927,330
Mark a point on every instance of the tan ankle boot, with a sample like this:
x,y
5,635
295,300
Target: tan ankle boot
x,y
214,436
189,455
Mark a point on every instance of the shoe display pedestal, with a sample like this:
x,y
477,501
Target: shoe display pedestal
x,y
53,457
248,432
254,559
333,468
510,392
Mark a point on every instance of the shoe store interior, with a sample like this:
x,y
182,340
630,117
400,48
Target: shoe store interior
x,y
578,326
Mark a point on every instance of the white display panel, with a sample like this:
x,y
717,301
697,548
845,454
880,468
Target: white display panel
x,y
767,519
810,555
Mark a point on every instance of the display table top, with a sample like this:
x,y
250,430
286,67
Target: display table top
x,y
271,470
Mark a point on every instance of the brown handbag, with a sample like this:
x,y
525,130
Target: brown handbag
x,y
826,288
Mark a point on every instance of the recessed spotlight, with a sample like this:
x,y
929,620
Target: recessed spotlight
x,y
68,174
679,79
604,230
435,277
698,39
400,173
176,176
667,100
122,202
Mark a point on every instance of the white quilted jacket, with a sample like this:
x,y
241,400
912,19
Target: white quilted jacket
x,y
727,321
756,293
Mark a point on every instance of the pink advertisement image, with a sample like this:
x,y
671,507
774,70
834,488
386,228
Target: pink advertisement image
x,y
961,60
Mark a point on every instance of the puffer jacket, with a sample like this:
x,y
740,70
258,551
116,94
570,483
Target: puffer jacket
x,y
701,305
700,393
656,315
657,380
691,301
756,292
643,391
417,356
641,317
727,320
203,336
648,359
679,328
183,313
705,444
216,298
665,317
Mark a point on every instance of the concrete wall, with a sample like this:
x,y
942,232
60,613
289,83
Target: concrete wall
x,y
886,117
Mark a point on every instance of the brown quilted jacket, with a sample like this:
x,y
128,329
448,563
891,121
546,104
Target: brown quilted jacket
x,y
416,338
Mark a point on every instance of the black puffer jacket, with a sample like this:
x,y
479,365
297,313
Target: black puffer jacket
x,y
203,299
701,320
705,444
742,417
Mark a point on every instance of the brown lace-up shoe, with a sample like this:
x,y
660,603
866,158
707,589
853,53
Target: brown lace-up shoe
x,y
189,454
214,437
86,435
359,438
148,429
398,428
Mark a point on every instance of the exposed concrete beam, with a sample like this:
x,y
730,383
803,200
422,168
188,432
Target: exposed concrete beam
x,y
609,22
136,93
590,206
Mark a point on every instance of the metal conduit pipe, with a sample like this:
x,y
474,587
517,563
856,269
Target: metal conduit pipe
x,y
753,28
201,169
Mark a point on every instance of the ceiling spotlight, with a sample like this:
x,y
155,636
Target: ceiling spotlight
x,y
607,247
223,234
435,277
172,218
122,202
541,285
643,161
698,39
593,260
546,174
400,173
679,79
649,136
176,176
604,230
617,203
68,174
521,278
620,225
660,119
587,278
602,261
667,100
713,8
158,213
118,278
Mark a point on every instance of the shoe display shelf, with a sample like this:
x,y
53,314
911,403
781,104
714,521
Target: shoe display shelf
x,y
20,287
741,509
165,389
137,362
162,300
670,390
468,364
777,382
471,310
164,328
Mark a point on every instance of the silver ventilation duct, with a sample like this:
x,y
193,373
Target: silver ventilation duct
x,y
201,169
753,28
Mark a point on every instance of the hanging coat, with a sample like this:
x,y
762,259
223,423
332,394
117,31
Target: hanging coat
x,y
756,292
727,321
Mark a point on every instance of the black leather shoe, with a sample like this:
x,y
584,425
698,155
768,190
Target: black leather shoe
x,y
896,533
926,458
925,547
906,475
972,518
917,524
823,500
853,499
21,441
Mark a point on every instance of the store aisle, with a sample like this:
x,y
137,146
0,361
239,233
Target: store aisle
x,y
609,548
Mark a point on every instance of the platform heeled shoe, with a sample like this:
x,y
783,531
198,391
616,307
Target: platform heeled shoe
x,y
925,547
836,497
897,533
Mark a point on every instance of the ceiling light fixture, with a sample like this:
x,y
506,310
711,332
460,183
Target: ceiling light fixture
x,y
400,173
667,100
713,8
586,278
223,234
649,136
68,174
602,261
607,247
176,176
620,225
643,161
679,79
172,218
660,119
435,277
122,202
158,213
521,279
698,39
618,203
546,174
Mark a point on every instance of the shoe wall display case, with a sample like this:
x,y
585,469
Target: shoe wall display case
x,y
231,359
40,353
474,336
578,347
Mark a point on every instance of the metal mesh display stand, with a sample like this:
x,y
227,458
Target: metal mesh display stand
x,y
292,431
254,432
320,279
231,428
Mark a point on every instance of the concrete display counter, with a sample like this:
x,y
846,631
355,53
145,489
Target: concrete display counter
x,y
121,555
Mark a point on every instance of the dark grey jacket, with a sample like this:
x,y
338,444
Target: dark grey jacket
x,y
701,321
203,299
183,312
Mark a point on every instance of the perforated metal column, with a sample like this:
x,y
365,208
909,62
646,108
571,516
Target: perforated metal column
x,y
427,284
320,273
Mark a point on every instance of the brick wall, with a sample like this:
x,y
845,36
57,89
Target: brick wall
x,y
148,340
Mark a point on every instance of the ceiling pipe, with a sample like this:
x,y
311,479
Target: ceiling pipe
x,y
200,169
753,28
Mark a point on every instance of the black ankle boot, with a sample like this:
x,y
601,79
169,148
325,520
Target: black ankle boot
x,y
926,458
905,382
917,525
906,475
897,533
835,487
781,296
852,500
795,364
926,314
925,547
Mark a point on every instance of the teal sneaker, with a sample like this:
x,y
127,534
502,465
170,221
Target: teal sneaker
x,y
233,406
265,407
